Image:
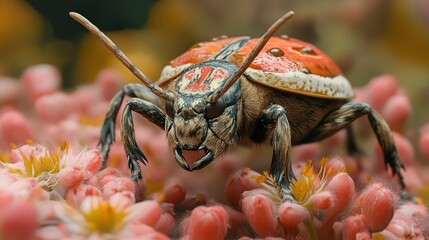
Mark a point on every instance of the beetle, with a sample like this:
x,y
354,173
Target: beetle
x,y
278,91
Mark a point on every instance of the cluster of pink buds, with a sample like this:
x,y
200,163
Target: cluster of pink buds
x,y
51,186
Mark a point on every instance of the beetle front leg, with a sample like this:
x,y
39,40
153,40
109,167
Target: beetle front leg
x,y
346,114
148,110
273,126
107,136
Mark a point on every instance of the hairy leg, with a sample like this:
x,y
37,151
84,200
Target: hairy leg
x,y
273,127
107,136
148,110
349,112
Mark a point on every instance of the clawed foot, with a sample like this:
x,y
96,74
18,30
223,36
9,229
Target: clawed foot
x,y
134,155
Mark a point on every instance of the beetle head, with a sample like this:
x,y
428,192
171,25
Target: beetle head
x,y
199,131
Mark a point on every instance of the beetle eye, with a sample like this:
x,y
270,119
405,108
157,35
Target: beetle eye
x,y
169,109
214,110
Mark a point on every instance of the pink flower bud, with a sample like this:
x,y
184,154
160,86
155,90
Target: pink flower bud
x,y
118,184
18,220
122,199
42,79
147,212
15,128
54,107
109,83
67,178
380,89
322,200
353,225
174,192
396,112
208,223
261,213
107,174
243,180
10,91
77,194
292,214
342,189
90,160
377,207
165,223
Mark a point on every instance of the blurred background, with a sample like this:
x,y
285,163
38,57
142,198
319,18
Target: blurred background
x,y
365,38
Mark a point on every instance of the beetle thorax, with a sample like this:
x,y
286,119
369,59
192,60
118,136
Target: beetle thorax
x,y
202,79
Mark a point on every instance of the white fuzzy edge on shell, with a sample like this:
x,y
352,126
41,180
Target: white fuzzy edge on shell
x,y
303,83
297,82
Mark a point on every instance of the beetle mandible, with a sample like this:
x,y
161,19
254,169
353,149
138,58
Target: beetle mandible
x,y
278,91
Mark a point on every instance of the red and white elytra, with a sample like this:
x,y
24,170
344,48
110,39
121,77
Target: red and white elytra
x,y
284,63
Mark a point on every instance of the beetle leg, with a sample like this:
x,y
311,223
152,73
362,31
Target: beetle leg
x,y
273,126
351,145
346,114
107,136
148,110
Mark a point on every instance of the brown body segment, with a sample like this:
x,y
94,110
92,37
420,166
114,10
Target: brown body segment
x,y
279,55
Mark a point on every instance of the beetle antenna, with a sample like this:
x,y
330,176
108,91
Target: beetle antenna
x,y
249,59
122,57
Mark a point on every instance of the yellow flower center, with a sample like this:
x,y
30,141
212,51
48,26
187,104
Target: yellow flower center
x,y
305,187
42,167
102,217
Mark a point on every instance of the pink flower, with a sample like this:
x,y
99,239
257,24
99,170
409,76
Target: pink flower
x,y
58,171
117,217
380,89
261,212
42,79
109,82
377,205
342,188
409,222
15,128
166,221
18,217
396,112
295,219
55,107
209,223
174,192
243,180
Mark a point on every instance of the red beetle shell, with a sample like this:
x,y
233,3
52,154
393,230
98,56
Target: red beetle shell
x,y
284,63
